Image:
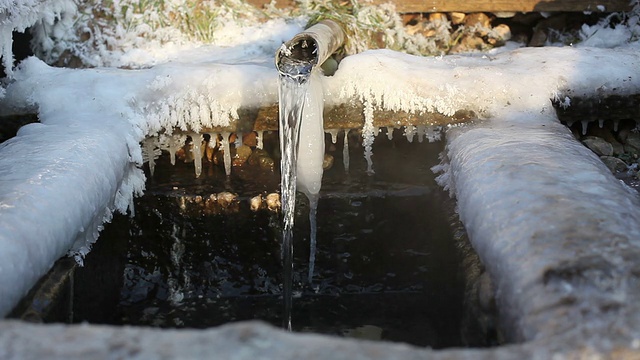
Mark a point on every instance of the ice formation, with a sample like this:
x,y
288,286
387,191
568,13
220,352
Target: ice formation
x,y
45,16
311,140
345,150
311,156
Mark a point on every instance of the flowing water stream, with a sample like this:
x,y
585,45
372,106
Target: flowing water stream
x,y
302,148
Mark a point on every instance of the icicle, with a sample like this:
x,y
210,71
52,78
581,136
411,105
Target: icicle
x,y
390,132
368,135
311,139
6,44
409,132
196,145
313,211
260,139
345,150
422,130
585,123
570,123
149,148
601,123
334,134
224,144
615,125
174,145
238,142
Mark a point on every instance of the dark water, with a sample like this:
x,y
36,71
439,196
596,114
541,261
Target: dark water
x,y
386,262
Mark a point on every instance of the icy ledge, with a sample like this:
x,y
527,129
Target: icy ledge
x,y
61,180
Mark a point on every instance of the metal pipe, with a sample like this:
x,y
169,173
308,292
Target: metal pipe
x,y
298,57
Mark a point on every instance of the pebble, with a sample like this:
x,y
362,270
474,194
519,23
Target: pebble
x,y
457,17
475,19
226,198
273,201
327,162
256,202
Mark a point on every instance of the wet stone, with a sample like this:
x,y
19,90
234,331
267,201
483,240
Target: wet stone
x,y
632,143
598,145
614,164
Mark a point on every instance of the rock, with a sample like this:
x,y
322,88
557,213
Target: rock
x,y
254,159
633,141
209,152
607,135
273,201
457,17
614,164
242,153
598,145
250,139
330,66
267,163
327,162
477,19
542,29
618,149
504,14
469,43
225,198
503,31
499,35
411,18
433,17
261,158
256,203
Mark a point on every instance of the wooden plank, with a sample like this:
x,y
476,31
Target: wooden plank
x,y
469,6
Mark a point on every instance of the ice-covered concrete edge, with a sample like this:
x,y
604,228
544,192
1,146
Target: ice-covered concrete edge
x,y
250,340
62,179
559,234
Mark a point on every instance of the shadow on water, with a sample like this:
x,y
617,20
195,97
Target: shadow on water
x,y
388,263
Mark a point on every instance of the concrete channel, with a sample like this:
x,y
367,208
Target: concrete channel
x,y
566,284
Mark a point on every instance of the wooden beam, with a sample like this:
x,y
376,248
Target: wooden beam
x,y
470,6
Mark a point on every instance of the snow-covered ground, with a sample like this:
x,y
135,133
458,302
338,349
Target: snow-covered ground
x,y
63,177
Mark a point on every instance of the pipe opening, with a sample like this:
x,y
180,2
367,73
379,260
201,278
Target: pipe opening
x,y
299,58
304,52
